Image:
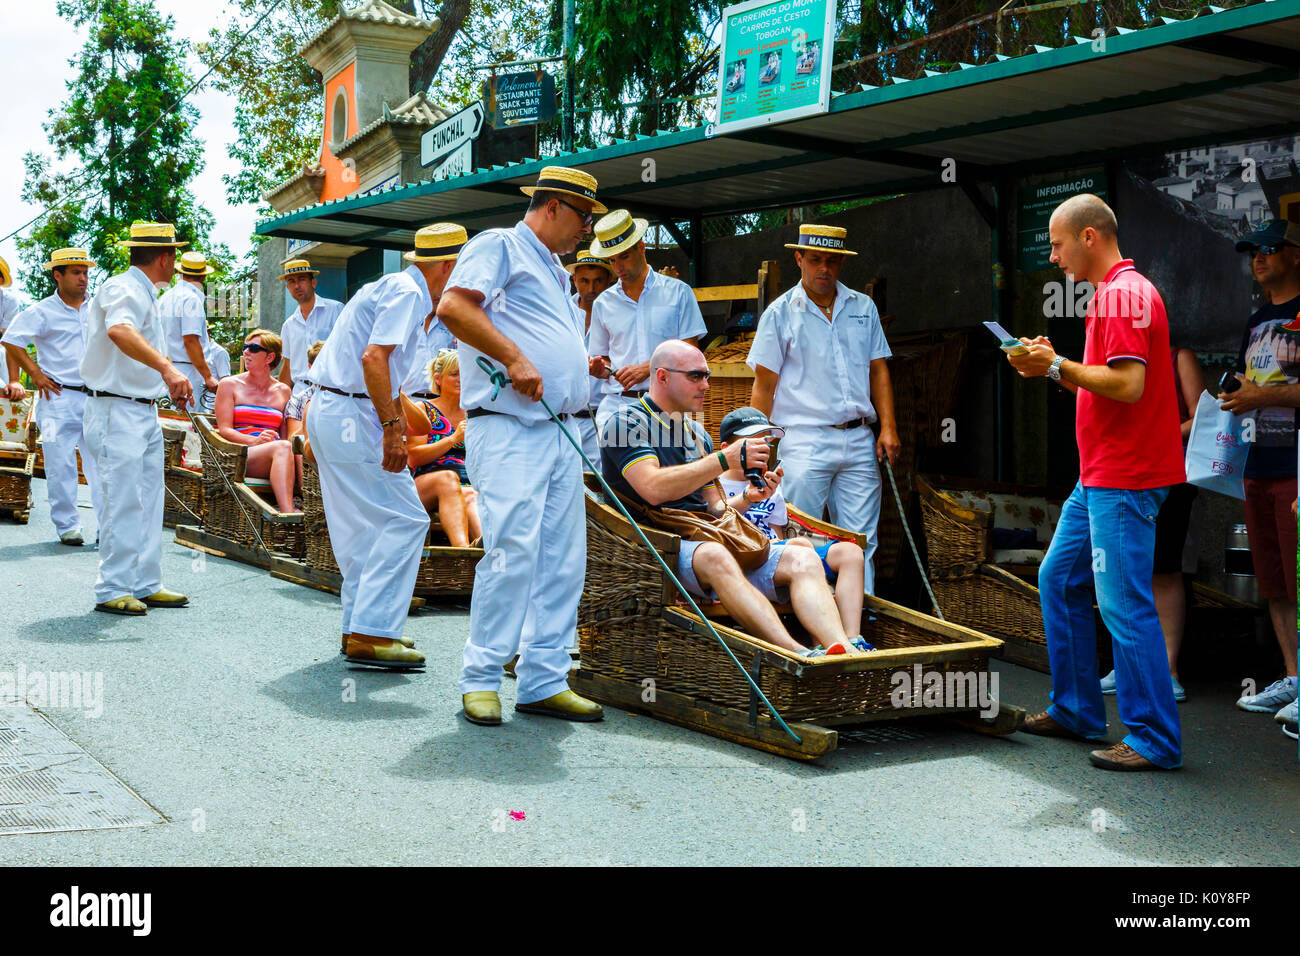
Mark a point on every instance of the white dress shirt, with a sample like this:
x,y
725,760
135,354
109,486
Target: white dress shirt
x,y
9,308
218,360
824,367
183,310
388,311
597,387
526,297
629,332
432,341
298,334
59,333
125,299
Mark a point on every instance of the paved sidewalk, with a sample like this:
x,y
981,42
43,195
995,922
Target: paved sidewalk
x,y
235,719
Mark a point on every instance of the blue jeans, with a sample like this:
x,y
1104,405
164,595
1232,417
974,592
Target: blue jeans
x,y
1106,540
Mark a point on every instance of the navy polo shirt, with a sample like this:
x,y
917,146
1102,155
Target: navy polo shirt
x,y
644,431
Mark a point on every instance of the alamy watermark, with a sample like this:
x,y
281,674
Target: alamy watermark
x,y
54,690
947,690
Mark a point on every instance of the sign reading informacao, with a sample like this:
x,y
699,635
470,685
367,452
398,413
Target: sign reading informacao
x,y
775,63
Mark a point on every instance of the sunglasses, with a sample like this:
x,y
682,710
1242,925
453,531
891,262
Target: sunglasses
x,y
587,217
254,347
1267,250
692,374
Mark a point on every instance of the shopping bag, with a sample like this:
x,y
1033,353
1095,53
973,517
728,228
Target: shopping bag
x,y
1218,447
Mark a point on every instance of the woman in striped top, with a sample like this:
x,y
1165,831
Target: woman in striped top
x,y
250,411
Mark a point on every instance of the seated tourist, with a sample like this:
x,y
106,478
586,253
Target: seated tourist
x,y
654,456
437,456
250,411
842,560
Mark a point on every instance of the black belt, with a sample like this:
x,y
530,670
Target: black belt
x,y
562,416
856,423
94,394
339,391
633,392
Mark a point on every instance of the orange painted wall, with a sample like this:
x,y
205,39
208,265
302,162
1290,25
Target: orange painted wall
x,y
339,181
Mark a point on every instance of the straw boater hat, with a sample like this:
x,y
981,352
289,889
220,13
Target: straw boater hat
x,y
573,182
152,234
587,259
194,264
436,243
616,233
6,277
70,257
823,238
298,267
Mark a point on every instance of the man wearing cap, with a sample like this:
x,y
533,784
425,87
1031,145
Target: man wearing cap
x,y
507,302
125,370
591,277
57,327
9,308
820,371
183,310
376,523
1268,368
312,321
630,319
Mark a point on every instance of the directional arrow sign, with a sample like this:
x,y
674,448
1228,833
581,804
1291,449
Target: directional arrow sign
x,y
459,161
460,129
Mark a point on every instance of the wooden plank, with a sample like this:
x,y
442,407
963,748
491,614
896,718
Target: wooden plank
x,y
1007,720
192,537
719,293
722,722
730,370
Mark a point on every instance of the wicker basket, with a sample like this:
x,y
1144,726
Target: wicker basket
x,y
957,539
183,502
317,553
630,632
17,457
232,510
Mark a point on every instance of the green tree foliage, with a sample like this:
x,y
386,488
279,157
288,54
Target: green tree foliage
x,y
644,53
119,154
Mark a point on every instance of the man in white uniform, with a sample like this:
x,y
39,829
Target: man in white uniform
x,y
508,301
306,325
183,310
126,370
591,277
819,361
218,360
9,309
435,339
376,523
57,327
631,318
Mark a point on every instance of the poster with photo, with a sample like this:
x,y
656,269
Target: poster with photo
x,y
771,69
807,61
735,76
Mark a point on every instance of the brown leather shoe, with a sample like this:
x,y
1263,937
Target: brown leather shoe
x,y
1121,757
1043,725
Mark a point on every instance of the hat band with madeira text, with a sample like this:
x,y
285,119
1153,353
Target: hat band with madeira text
x,y
565,185
835,243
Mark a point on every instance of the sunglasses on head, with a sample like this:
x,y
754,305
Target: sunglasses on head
x,y
692,374
254,347
587,217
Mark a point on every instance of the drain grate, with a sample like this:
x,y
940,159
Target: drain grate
x,y
48,784
876,735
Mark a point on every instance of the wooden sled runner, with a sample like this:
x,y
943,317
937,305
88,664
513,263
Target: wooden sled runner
x,y
992,590
444,571
641,651
17,458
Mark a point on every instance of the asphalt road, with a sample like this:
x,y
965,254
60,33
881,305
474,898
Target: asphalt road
x,y
232,717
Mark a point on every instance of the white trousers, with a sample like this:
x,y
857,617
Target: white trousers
x,y
376,523
62,433
529,484
835,470
586,433
125,441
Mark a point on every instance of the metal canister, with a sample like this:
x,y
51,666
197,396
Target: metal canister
x,y
1239,566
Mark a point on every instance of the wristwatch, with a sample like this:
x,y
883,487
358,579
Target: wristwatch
x,y
1054,370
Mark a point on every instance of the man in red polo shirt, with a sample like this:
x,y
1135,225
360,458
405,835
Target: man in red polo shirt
x,y
1130,453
